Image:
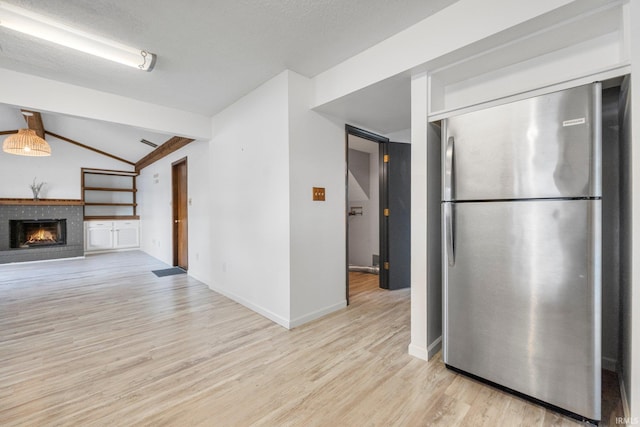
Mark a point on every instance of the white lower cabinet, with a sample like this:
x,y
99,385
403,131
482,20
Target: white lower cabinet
x,y
126,234
98,236
111,235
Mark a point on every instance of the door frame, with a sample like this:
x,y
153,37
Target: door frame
x,y
381,140
174,209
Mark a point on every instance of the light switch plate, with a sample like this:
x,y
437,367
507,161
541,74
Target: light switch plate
x,y
318,194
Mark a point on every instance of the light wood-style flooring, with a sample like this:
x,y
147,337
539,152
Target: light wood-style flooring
x,y
104,342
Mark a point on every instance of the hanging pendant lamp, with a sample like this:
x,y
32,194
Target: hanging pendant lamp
x,y
26,142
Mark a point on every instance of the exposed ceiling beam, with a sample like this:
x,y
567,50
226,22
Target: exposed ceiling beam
x,y
171,145
34,122
95,150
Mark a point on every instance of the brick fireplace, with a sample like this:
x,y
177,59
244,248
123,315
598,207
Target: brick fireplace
x,y
40,231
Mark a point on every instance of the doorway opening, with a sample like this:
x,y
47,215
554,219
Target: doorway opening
x,y
180,213
363,209
376,238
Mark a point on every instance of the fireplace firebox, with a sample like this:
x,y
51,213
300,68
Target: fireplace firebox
x,y
29,233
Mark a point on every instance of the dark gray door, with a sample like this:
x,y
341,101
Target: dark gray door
x,y
395,233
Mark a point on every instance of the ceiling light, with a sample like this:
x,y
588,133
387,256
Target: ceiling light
x,y
26,143
39,26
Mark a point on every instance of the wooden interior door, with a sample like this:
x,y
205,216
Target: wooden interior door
x,y
180,214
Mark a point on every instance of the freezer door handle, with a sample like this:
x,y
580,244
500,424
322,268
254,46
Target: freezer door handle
x,y
449,234
448,169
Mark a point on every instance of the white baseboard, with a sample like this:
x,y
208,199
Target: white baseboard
x,y
253,307
419,352
316,314
198,278
289,324
426,353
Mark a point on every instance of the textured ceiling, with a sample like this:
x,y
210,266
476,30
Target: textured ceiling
x,y
210,53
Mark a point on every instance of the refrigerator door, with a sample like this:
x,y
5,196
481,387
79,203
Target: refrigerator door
x,y
543,147
522,297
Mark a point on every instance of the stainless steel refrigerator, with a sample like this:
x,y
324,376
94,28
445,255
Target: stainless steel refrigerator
x,y
521,227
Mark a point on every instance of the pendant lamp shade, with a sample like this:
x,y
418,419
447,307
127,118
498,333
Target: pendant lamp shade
x,y
26,143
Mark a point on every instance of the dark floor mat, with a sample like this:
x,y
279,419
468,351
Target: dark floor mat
x,y
168,271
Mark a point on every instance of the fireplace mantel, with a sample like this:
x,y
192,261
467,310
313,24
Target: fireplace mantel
x,y
42,202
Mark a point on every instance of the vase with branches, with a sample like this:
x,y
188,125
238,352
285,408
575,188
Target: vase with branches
x,y
36,187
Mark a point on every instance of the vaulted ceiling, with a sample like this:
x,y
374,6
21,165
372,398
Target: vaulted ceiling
x,y
210,53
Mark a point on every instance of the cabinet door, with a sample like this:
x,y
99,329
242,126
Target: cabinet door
x,y
99,236
126,234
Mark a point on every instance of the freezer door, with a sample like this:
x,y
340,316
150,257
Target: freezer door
x,y
522,297
543,147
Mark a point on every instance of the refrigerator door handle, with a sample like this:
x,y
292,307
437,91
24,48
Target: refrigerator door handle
x,y
448,171
449,236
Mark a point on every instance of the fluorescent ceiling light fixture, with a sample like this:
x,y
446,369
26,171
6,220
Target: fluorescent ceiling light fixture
x,y
39,26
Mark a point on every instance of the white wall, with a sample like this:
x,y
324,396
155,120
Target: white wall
x,y
156,214
318,231
419,259
460,25
273,249
360,237
250,211
403,135
374,204
562,65
41,94
60,171
364,230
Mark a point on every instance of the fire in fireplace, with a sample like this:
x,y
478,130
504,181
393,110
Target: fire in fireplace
x,y
27,233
